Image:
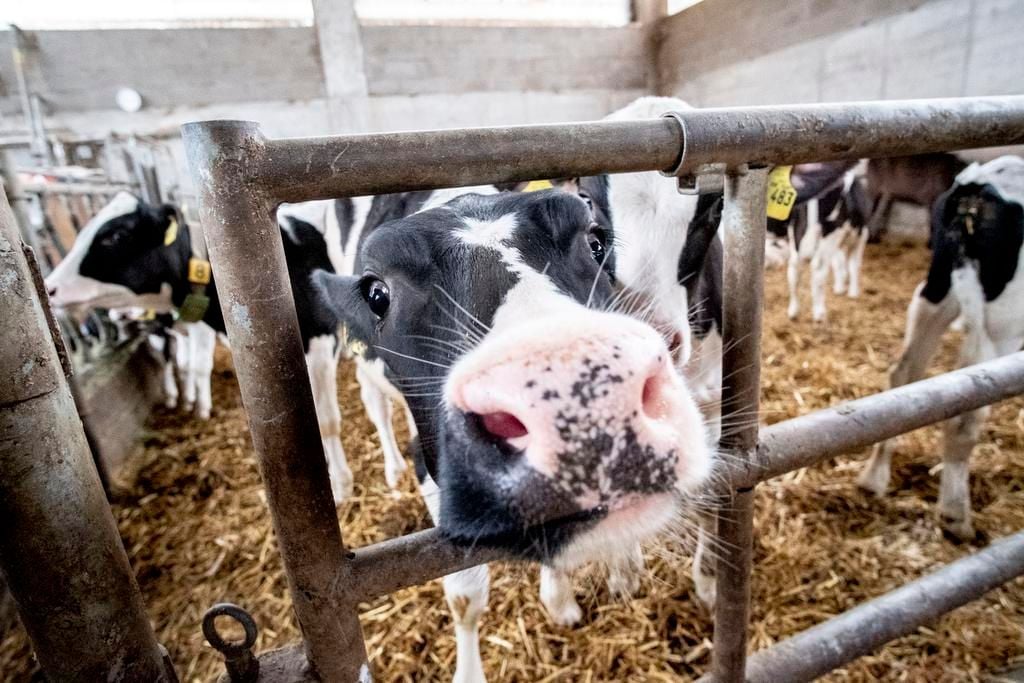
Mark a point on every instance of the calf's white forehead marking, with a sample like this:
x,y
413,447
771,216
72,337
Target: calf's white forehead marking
x,y
534,291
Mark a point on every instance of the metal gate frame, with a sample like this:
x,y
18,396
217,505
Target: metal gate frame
x,y
242,177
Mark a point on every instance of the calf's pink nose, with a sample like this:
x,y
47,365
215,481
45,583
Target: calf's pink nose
x,y
554,402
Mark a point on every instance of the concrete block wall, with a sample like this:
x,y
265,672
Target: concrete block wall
x,y
738,52
450,75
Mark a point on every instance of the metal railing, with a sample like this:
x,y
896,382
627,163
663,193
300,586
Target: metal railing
x,y
242,176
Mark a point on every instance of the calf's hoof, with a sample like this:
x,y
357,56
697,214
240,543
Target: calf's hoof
x,y
623,584
960,529
341,487
874,480
568,614
706,588
393,473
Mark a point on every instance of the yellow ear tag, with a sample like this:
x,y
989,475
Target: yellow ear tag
x,y
172,233
781,193
538,185
198,271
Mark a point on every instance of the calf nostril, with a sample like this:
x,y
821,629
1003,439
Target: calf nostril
x,y
503,425
52,291
652,398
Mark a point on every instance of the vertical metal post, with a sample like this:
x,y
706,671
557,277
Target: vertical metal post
x,y
743,227
259,311
16,198
59,547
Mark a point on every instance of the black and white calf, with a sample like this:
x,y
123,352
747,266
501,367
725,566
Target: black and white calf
x,y
828,228
977,273
548,425
134,254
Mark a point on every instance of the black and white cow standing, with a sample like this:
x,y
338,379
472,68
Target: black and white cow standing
x,y
976,273
828,228
134,254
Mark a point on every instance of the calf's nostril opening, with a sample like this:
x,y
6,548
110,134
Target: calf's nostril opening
x,y
503,425
652,398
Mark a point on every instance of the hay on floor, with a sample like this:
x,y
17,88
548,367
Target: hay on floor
x,y
197,531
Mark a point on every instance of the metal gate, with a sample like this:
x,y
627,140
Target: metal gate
x,y
241,177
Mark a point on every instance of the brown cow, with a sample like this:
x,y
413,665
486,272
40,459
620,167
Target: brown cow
x,y
918,179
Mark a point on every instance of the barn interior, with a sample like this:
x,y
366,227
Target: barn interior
x,y
92,97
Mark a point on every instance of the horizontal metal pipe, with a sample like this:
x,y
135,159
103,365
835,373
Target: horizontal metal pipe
x,y
806,440
799,442
319,168
300,169
75,188
862,629
793,134
411,560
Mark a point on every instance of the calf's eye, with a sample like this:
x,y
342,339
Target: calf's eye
x,y
595,238
378,297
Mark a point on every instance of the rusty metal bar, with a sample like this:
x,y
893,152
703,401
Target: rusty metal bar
x,y
794,134
857,632
785,446
59,545
743,227
806,440
242,177
259,313
411,560
300,169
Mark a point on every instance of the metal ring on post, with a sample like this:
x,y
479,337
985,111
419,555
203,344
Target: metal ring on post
x,y
242,666
673,171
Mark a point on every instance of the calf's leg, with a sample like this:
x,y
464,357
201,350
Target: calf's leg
x,y
558,596
380,410
322,362
793,277
824,256
466,593
925,324
202,367
840,265
856,261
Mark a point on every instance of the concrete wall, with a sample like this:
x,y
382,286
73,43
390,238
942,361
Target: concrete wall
x,y
404,60
737,52
417,76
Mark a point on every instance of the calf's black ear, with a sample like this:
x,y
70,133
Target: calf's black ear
x,y
341,303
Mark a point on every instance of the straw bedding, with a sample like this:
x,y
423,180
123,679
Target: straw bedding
x,y
197,532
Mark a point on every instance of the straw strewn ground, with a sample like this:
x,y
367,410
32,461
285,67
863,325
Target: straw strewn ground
x,y
197,531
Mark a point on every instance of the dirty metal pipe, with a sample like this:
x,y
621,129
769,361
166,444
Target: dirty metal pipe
x,y
805,441
793,134
411,560
743,227
259,311
855,633
301,169
59,545
785,446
